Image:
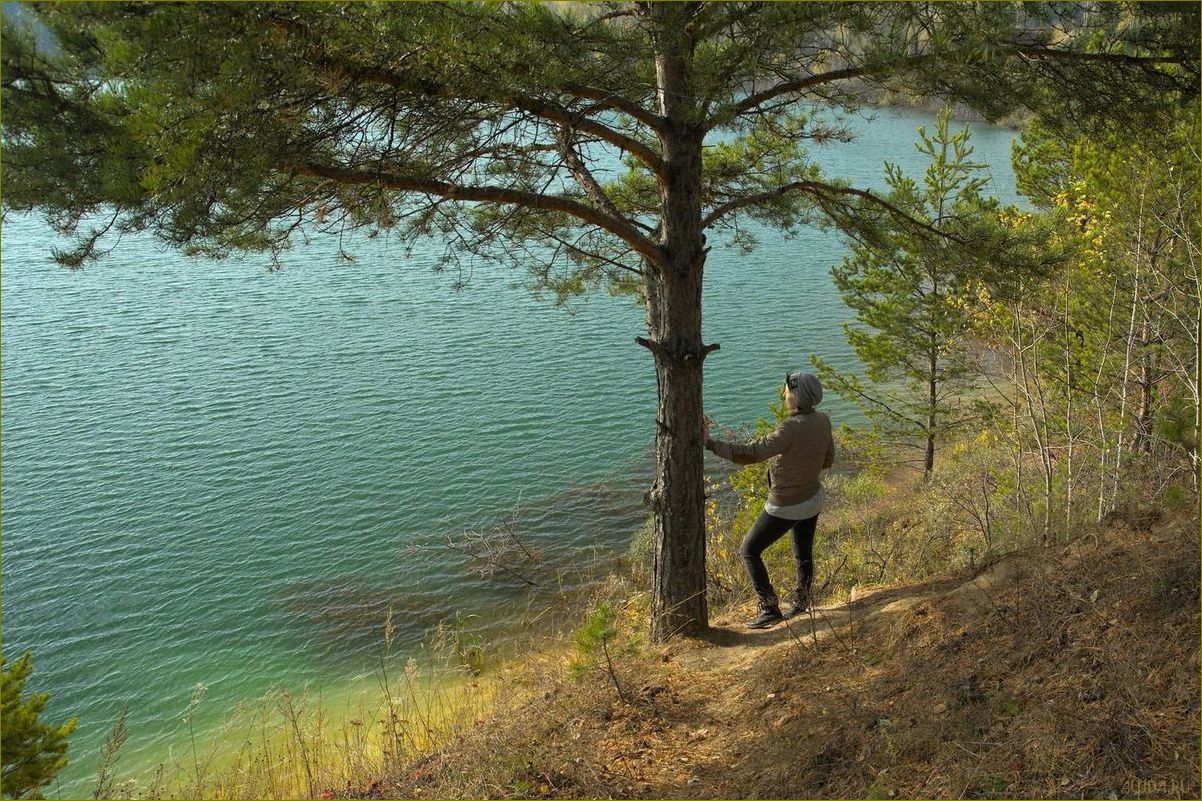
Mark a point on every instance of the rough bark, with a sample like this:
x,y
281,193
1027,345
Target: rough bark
x,y
673,296
677,497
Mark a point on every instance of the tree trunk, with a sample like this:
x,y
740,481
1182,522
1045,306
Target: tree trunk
x,y
1103,436
673,297
1148,378
928,460
1142,441
1070,388
1028,381
1118,447
1196,384
678,604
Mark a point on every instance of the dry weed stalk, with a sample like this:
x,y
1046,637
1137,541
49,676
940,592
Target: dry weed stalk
x,y
108,757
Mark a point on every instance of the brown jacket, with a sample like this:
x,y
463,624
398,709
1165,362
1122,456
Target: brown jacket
x,y
805,446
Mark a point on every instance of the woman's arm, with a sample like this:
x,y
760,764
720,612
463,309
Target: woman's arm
x,y
758,450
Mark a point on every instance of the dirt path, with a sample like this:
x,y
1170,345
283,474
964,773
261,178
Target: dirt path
x,y
729,645
712,738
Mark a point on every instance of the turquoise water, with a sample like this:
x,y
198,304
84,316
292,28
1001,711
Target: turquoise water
x,y
213,474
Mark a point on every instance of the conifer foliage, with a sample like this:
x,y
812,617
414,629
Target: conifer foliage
x,y
915,297
32,751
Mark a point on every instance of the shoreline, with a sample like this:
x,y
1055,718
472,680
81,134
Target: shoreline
x,y
449,682
1014,121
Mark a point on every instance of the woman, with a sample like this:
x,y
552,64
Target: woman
x,y
804,446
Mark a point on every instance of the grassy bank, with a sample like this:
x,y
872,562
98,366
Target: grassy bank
x,y
1049,673
312,741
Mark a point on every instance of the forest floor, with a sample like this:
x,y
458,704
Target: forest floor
x,y
1063,672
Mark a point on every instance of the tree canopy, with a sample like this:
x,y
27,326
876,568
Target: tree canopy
x,y
234,127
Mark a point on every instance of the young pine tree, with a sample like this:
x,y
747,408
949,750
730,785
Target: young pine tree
x,y
32,752
914,294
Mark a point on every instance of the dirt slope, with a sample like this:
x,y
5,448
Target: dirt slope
x,y
1061,673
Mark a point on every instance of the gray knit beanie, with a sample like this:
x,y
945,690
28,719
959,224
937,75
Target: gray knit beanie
x,y
806,390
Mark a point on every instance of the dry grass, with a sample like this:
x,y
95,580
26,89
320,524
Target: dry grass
x,y
1064,673
305,745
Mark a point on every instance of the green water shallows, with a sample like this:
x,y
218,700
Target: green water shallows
x,y
211,472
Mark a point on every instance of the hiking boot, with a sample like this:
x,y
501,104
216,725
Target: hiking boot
x,y
769,616
797,608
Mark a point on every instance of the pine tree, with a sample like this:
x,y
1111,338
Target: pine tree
x,y
32,752
915,298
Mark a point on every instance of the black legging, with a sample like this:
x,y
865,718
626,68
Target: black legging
x,y
767,530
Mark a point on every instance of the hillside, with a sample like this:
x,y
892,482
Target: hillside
x,y
1064,672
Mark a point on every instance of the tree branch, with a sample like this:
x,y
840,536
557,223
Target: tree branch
x,y
645,154
617,226
753,101
677,357
531,105
582,174
820,189
801,84
589,254
1074,55
608,100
